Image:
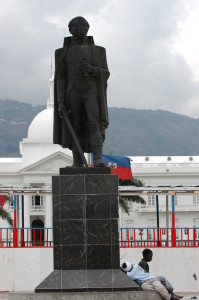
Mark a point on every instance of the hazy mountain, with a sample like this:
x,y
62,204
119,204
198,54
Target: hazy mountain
x,y
131,132
151,132
15,118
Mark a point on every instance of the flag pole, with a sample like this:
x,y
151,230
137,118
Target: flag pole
x,y
15,222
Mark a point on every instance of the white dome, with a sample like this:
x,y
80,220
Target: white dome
x,y
41,128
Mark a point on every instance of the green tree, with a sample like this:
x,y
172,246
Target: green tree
x,y
4,214
123,200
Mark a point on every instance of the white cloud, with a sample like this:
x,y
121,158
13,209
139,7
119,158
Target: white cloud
x,y
186,41
151,48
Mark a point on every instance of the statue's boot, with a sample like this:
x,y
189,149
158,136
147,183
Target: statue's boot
x,y
97,157
77,162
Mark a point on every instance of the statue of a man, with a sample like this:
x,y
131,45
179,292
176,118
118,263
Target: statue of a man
x,y
80,84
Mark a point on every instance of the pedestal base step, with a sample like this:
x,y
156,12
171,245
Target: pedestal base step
x,y
86,280
128,295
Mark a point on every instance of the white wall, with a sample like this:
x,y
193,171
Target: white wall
x,y
24,269
177,264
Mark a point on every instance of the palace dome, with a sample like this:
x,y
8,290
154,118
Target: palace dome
x,y
41,127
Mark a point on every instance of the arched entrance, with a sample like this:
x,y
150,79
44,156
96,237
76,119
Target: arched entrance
x,y
38,232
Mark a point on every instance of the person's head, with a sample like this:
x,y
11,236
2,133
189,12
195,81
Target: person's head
x,y
126,267
147,254
78,27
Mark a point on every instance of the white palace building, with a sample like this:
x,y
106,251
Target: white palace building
x,y
30,176
170,190
164,176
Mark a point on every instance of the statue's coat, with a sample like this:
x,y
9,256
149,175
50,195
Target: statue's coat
x,y
61,134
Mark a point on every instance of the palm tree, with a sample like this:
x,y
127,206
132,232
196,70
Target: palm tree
x,y
123,200
4,214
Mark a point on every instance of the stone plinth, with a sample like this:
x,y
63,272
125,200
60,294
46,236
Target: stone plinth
x,y
85,221
133,295
85,229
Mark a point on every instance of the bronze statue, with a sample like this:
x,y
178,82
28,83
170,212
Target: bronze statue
x,y
80,84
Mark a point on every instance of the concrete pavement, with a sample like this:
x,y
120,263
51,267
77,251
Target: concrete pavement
x,y
93,296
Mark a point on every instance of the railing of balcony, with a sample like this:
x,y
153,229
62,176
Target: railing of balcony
x,y
159,237
37,208
162,208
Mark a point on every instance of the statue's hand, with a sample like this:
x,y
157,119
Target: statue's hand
x,y
61,109
88,69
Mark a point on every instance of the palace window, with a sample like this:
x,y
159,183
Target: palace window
x,y
151,199
195,199
37,200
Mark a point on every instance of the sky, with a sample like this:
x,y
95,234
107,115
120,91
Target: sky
x,y
152,49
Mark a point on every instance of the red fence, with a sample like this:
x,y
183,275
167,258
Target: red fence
x,y
162,237
26,237
129,237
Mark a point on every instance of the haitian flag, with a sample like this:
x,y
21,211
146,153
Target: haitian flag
x,y
2,200
119,165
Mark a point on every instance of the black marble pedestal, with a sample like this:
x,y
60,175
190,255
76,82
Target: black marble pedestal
x,y
107,280
85,230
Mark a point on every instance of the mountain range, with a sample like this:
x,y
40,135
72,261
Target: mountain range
x,y
131,132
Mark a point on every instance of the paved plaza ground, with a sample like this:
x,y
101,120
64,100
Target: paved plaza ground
x,y
187,296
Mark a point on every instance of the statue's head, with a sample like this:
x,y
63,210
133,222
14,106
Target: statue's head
x,y
78,27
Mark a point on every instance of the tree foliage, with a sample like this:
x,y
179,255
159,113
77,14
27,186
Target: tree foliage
x,y
123,200
4,214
